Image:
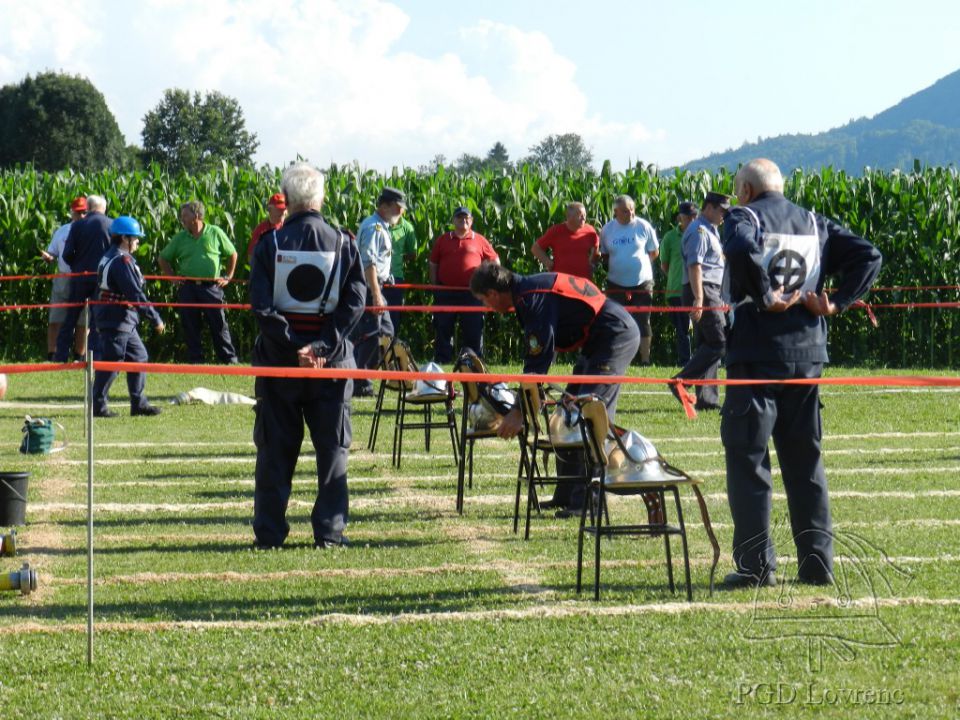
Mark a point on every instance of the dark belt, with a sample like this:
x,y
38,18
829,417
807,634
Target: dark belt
x,y
201,283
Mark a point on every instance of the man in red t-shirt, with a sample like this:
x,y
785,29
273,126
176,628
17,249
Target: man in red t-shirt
x,y
276,209
575,245
453,259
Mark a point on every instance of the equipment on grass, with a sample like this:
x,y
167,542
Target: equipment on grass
x,y
39,435
24,580
8,544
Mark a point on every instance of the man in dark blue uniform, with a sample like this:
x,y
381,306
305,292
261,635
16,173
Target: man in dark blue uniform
x,y
560,312
88,240
307,293
119,281
778,257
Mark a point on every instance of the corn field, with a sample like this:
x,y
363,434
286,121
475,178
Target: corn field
x,y
911,217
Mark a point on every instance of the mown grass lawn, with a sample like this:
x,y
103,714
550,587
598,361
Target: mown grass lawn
x,y
432,614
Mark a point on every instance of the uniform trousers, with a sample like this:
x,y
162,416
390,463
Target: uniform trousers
x,y
81,290
681,323
283,405
120,347
208,293
366,342
444,324
790,414
709,334
612,359
394,297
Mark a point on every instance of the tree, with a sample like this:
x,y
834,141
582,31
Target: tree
x,y
468,163
58,121
498,158
195,134
560,152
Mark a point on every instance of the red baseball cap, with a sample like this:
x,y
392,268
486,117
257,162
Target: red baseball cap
x,y
278,200
79,204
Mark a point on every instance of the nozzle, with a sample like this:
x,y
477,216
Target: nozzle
x,y
25,580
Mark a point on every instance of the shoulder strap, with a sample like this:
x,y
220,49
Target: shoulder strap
x,y
335,268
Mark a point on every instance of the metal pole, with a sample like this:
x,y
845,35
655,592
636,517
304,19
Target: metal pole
x,y
89,408
86,395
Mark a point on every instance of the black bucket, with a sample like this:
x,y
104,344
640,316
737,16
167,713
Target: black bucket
x,y
13,498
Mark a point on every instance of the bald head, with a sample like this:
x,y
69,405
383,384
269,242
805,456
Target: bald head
x,y
756,177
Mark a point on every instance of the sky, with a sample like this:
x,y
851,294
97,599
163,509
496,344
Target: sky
x,y
395,83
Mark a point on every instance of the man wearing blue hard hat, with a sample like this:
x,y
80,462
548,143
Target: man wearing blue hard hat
x,y
119,281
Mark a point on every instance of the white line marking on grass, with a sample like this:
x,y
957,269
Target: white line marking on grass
x,y
436,502
548,611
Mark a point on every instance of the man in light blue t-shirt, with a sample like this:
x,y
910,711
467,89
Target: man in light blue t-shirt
x,y
628,249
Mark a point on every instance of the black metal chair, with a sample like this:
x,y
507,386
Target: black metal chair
x,y
387,362
616,469
478,421
424,397
540,438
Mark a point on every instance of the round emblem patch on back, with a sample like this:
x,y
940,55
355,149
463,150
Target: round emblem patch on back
x,y
306,282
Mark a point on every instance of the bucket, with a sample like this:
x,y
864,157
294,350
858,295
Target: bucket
x,y
13,498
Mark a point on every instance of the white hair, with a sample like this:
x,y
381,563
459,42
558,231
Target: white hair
x,y
762,174
626,201
303,185
96,203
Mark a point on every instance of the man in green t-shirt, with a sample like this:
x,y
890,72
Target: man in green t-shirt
x,y
203,256
404,251
671,260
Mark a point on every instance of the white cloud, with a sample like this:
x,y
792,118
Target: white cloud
x,y
320,78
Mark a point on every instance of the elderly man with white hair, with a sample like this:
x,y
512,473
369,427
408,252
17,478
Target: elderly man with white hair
x,y
88,240
307,293
778,257
629,247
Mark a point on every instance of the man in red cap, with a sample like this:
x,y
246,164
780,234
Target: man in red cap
x,y
276,211
61,285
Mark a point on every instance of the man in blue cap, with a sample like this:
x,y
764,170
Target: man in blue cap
x,y
119,282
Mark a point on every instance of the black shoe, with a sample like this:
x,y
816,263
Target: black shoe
x,y
552,504
819,579
675,391
363,391
232,361
105,414
257,545
568,512
747,580
701,406
341,542
149,410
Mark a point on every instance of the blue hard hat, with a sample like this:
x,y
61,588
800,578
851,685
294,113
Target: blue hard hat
x,y
126,225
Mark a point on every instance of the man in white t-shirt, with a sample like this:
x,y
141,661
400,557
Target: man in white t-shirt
x,y
628,248
61,285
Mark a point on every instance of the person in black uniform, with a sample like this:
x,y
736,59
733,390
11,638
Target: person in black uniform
x,y
307,293
88,240
560,313
778,256
119,280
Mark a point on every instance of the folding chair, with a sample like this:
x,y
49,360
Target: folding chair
x,y
426,397
478,420
387,362
617,469
540,437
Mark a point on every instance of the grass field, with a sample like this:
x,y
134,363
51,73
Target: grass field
x,y
430,614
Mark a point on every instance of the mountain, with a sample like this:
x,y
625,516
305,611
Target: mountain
x,y
924,126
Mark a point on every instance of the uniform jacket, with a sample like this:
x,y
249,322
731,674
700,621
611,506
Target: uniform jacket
x,y
283,334
555,321
771,243
118,279
88,240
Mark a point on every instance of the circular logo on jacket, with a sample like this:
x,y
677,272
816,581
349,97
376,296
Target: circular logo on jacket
x,y
787,268
306,282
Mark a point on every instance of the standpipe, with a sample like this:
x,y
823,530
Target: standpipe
x,y
8,544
